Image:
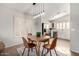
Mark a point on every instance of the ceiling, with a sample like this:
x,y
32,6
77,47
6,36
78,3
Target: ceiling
x,y
21,7
50,9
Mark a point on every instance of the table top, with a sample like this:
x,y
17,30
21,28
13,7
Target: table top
x,y
35,38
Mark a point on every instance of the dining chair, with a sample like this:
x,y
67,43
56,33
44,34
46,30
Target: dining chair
x,y
50,47
45,41
46,38
29,40
27,45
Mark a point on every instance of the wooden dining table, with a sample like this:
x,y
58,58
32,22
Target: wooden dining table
x,y
38,41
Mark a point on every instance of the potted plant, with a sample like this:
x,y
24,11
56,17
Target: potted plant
x,y
38,34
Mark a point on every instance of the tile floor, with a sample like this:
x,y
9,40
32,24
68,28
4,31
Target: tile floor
x,y
63,46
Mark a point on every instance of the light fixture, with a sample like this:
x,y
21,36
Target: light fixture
x,y
41,13
58,16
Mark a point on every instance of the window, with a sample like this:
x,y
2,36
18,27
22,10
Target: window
x,y
60,26
57,25
67,25
64,25
46,25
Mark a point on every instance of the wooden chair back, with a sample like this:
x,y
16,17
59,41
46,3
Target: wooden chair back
x,y
53,44
24,41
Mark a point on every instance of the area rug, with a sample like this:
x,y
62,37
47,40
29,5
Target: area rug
x,y
33,53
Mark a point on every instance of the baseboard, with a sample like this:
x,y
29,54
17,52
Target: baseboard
x,y
13,46
64,39
74,51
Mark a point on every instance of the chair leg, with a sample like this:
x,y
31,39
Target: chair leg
x,y
23,51
55,52
50,53
28,51
31,49
36,50
46,52
42,51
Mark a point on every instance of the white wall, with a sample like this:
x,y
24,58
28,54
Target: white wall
x,y
74,34
14,25
38,25
63,33
6,26
30,24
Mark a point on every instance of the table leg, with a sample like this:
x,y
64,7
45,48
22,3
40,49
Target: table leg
x,y
38,49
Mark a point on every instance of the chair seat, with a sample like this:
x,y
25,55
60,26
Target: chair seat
x,y
45,40
47,46
31,45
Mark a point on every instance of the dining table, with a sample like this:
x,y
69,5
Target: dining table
x,y
38,41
